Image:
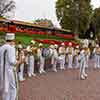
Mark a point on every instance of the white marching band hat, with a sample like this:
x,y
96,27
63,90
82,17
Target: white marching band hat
x,y
10,36
20,46
40,44
77,46
56,46
32,41
51,46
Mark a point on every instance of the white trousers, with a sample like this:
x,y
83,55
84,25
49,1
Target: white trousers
x,y
54,63
21,73
76,61
97,61
62,61
31,65
11,93
82,68
70,60
42,62
87,61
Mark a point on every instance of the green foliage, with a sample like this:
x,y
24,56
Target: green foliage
x,y
96,20
74,14
47,22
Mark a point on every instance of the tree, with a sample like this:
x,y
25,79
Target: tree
x,y
96,19
74,14
96,22
6,6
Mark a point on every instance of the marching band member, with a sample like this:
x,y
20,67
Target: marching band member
x,y
31,59
55,57
21,66
87,54
82,60
62,53
76,56
85,42
41,58
97,56
69,51
51,48
8,70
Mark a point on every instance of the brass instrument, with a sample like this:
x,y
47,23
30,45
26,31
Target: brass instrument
x,y
32,50
76,52
87,51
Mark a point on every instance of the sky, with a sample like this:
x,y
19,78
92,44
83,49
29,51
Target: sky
x,y
95,3
29,10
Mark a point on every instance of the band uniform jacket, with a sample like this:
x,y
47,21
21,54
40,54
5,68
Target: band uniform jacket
x,y
7,66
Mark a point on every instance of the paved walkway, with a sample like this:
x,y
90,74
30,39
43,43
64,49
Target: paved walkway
x,y
63,85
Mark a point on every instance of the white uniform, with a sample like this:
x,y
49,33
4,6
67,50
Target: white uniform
x,y
69,51
31,62
62,57
41,60
21,72
97,57
51,55
82,59
76,57
87,53
55,59
8,83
